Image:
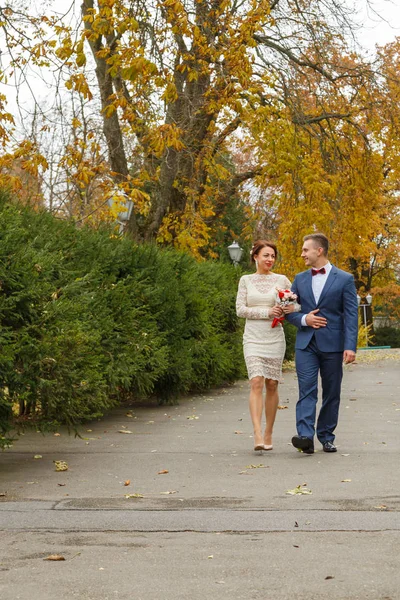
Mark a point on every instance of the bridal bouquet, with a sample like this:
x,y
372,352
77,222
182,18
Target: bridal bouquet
x,y
283,298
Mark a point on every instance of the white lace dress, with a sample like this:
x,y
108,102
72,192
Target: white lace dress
x,y
264,347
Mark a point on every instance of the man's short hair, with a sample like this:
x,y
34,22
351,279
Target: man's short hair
x,y
320,239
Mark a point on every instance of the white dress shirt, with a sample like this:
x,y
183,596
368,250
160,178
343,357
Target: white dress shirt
x,y
318,281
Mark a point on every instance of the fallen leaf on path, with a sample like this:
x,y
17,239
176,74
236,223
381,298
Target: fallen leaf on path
x,y
127,482
257,466
381,507
163,472
346,480
54,557
192,417
329,577
169,492
345,454
3,494
281,407
211,556
134,496
124,431
239,432
296,524
57,434
299,490
149,422
130,415
38,456
61,465
61,484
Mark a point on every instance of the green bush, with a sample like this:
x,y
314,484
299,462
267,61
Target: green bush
x,y
386,336
290,335
88,320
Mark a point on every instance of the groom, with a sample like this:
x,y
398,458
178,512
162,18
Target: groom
x,y
326,337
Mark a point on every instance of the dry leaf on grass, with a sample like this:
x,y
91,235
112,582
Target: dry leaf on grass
x,y
61,465
54,557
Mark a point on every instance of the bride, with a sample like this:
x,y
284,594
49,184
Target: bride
x,y
264,346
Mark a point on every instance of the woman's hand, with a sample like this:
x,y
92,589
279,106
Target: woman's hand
x,y
276,311
289,308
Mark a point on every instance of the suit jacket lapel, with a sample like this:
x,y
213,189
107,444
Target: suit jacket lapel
x,y
308,287
331,278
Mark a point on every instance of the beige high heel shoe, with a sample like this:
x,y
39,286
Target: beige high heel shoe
x,y
259,448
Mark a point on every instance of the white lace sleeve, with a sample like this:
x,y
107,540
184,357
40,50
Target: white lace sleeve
x,y
242,310
297,307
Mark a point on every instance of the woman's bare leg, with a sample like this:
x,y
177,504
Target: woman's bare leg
x,y
271,406
256,408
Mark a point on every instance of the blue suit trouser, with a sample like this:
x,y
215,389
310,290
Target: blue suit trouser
x,y
310,362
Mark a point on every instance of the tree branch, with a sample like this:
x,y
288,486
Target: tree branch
x,y
266,41
305,120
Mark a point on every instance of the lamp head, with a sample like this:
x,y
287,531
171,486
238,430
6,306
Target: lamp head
x,y
235,252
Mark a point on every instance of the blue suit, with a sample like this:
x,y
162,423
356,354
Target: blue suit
x,y
321,350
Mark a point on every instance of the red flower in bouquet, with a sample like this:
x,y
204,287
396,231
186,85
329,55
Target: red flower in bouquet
x,y
283,298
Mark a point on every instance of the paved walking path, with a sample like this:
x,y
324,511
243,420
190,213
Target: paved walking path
x,y
213,518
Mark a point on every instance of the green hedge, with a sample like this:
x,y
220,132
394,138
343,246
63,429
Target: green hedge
x,y
386,336
88,320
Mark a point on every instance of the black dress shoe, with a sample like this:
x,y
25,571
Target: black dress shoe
x,y
329,447
303,443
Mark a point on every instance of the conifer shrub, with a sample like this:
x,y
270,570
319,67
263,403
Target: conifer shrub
x,y
88,319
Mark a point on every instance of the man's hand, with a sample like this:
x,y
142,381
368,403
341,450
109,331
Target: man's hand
x,y
313,320
276,311
349,356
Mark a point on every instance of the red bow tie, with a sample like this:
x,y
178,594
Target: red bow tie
x,y
318,271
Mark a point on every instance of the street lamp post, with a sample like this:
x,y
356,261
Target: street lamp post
x,y
124,208
364,307
235,253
